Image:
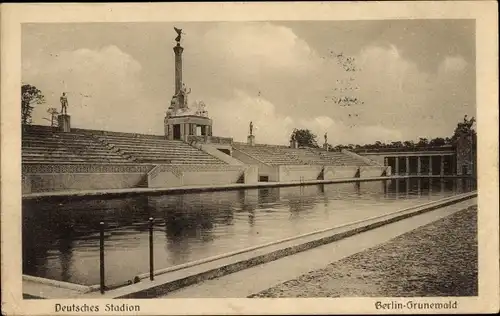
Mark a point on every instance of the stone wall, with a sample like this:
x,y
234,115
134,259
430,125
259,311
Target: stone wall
x,y
299,173
263,169
371,171
160,177
66,177
168,176
31,168
211,150
339,172
210,139
33,183
211,177
367,160
378,158
105,133
252,174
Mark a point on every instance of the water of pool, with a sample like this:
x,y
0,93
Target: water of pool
x,y
61,240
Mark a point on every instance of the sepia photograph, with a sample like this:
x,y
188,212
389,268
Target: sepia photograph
x,y
250,158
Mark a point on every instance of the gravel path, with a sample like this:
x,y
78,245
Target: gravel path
x,y
439,259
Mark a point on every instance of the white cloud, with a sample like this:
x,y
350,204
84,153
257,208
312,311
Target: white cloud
x,y
401,97
103,88
250,55
233,116
342,133
256,47
229,63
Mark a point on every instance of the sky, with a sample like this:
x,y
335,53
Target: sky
x,y
413,78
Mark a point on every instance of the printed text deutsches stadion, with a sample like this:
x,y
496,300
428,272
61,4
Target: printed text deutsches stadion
x,y
415,305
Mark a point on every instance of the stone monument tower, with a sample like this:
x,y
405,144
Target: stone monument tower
x,y
181,121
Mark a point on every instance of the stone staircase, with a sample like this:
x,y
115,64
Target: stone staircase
x,y
282,155
335,158
271,155
158,151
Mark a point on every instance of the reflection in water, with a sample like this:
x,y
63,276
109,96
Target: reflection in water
x,y
61,241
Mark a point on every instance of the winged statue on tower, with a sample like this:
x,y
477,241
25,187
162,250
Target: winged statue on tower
x,y
179,33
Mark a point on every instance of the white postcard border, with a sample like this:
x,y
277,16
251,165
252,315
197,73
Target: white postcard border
x,y
485,14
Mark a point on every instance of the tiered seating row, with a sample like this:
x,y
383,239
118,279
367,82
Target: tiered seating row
x,y
340,159
307,156
270,155
280,155
43,145
159,150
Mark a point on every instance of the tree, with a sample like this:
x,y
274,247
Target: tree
x,y
438,141
397,144
409,144
339,147
53,116
464,128
30,95
304,138
422,142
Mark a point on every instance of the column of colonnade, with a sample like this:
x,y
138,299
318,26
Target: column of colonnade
x,y
407,158
441,170
407,170
419,165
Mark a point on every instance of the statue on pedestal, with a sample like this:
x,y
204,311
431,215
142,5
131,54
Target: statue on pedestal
x,y
64,103
466,126
200,108
251,128
326,138
179,32
470,122
174,104
182,96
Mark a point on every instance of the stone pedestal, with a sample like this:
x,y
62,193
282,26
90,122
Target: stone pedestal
x,y
251,140
64,123
325,146
294,144
183,126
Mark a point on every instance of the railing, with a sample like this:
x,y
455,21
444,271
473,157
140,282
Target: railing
x,y
210,140
403,149
153,173
366,160
221,140
101,258
84,167
102,271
